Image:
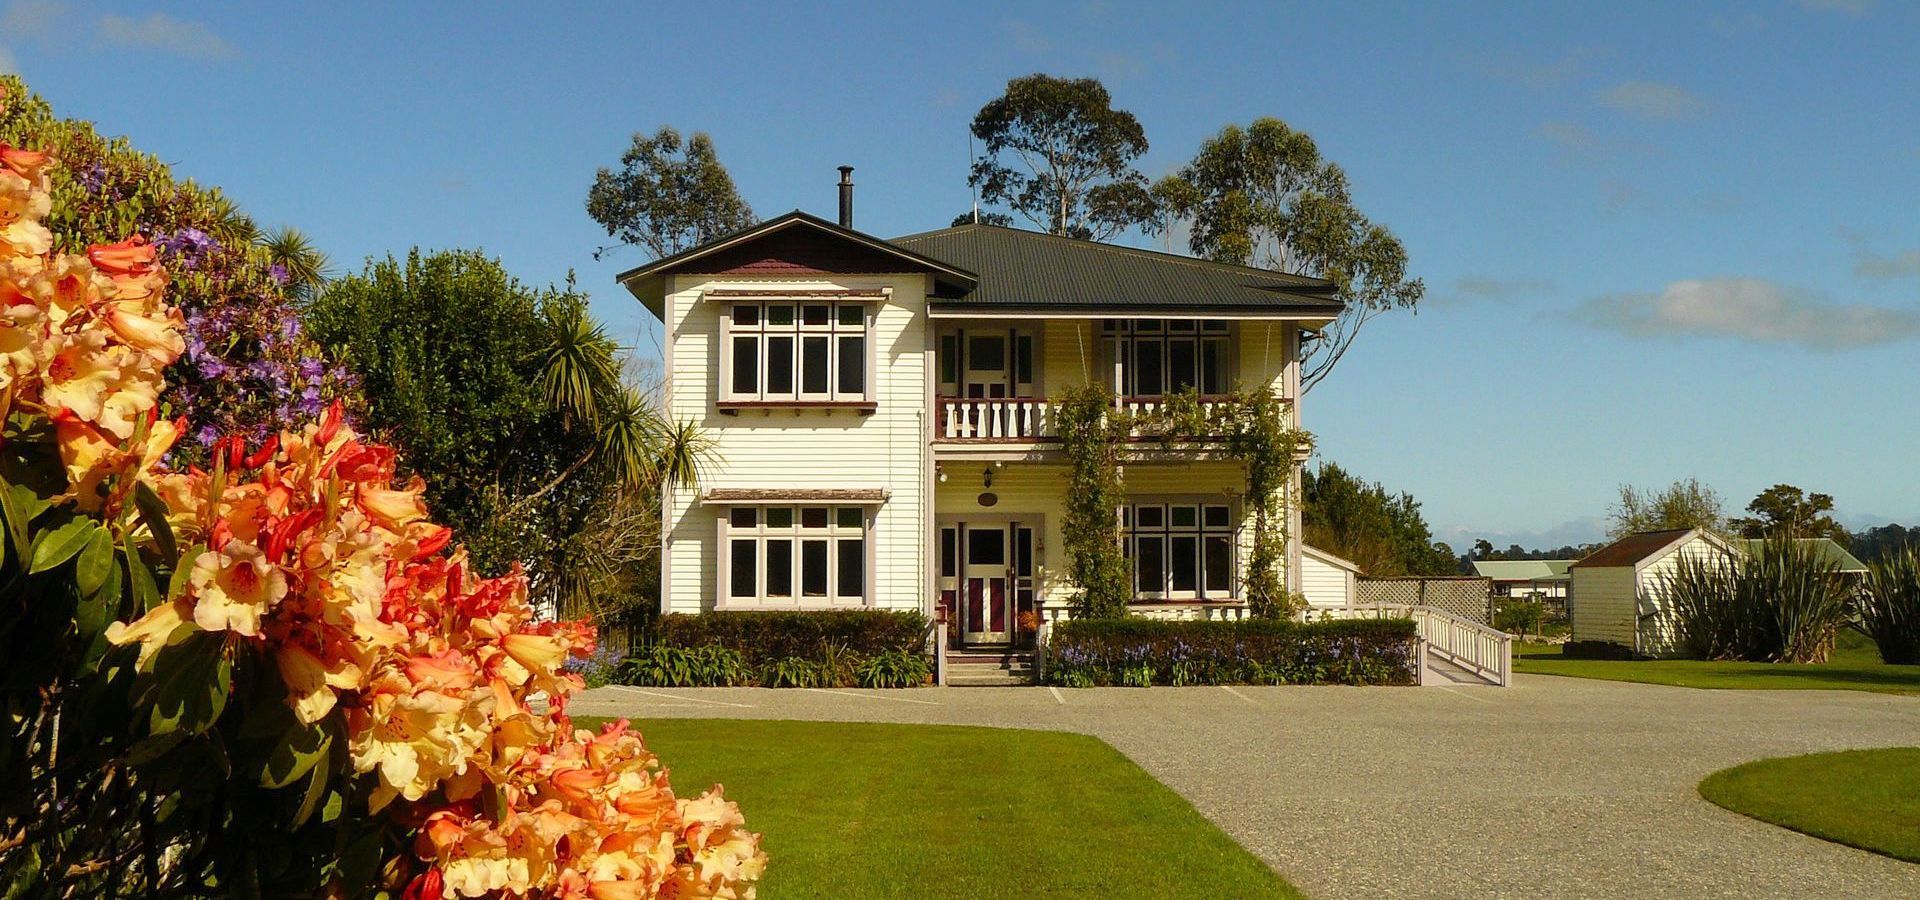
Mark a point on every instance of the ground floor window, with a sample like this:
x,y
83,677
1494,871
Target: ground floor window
x,y
796,554
1181,550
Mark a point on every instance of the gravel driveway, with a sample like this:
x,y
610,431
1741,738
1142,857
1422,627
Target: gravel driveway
x,y
1555,787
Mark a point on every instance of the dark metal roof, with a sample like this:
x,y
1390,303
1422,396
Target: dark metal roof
x,y
1632,549
1020,268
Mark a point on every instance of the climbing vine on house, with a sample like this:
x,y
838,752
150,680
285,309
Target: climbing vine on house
x,y
1249,426
1092,433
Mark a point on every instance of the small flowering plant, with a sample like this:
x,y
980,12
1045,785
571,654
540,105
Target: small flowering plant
x,y
274,672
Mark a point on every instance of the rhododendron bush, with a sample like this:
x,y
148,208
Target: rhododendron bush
x,y
275,675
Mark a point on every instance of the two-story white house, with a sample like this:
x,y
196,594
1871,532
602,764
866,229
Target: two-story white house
x,y
881,418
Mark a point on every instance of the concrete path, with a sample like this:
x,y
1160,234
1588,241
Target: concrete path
x,y
1555,787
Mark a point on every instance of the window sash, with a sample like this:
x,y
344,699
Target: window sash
x,y
798,555
1181,550
787,350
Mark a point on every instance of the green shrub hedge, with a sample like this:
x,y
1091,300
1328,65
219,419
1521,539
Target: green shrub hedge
x,y
1142,652
837,648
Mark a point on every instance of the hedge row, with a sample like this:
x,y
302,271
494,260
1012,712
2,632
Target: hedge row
x,y
1142,652
836,648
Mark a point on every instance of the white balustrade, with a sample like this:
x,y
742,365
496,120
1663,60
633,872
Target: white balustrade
x,y
1021,418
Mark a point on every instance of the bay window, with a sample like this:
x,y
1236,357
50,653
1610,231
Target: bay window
x,y
799,555
1181,550
797,350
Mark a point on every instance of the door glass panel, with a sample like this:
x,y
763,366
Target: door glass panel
x,y
949,360
1180,365
779,568
987,354
986,547
813,568
1023,360
1150,563
779,365
1213,367
1219,566
1184,564
741,573
1148,378
1023,552
949,547
850,574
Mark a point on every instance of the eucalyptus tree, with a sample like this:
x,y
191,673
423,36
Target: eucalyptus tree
x,y
1263,196
1058,154
668,195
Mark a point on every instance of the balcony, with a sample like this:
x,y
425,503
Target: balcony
x,y
1013,420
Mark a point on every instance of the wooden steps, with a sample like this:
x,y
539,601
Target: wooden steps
x,y
989,668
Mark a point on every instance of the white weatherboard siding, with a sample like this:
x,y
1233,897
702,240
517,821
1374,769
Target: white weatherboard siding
x,y
803,448
1324,581
1656,628
1604,611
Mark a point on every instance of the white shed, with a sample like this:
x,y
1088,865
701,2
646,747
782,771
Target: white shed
x,y
1621,599
1326,579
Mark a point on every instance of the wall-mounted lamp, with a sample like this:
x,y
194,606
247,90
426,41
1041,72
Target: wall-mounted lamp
x,y
986,477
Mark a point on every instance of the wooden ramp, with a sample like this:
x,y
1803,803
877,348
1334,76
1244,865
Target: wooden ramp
x,y
1441,671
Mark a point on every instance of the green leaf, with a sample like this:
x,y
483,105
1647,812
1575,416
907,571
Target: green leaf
x,y
316,791
146,594
360,861
183,570
54,547
153,512
96,561
297,750
148,749
195,678
93,612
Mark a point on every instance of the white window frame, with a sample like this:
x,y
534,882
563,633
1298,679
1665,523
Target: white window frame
x,y
1132,533
1122,336
799,332
833,533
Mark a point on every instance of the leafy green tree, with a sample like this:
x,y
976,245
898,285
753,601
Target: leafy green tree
x,y
1787,510
1884,542
1383,532
510,401
1060,155
1683,504
667,196
1263,196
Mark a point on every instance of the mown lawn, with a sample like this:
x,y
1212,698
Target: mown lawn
x,y
870,810
1855,666
1868,799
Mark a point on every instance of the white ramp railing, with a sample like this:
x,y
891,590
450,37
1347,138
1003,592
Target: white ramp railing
x,y
1483,651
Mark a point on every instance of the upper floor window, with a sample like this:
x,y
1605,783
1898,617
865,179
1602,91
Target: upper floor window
x,y
1154,357
797,350
987,363
1180,550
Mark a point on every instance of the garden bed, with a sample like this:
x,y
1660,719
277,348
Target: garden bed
x,y
1144,652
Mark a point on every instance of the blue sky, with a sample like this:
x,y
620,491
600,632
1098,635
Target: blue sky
x,y
1659,240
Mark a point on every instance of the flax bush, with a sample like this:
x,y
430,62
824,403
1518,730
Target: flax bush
x,y
1890,606
1783,603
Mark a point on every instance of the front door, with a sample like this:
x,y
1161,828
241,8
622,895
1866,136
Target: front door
x,y
984,615
986,369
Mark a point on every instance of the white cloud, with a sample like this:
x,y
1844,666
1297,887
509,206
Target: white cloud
x,y
1536,73
1854,8
1749,309
1653,100
1904,264
159,31
1482,287
31,18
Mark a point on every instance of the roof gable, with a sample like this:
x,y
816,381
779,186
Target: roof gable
x,y
1521,569
1827,549
793,244
1640,549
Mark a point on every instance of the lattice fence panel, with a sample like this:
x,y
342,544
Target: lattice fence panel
x,y
1466,597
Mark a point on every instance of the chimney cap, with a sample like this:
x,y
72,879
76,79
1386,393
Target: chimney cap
x,y
846,172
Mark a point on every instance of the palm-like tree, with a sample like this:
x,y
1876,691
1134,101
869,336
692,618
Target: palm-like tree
x,y
305,266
